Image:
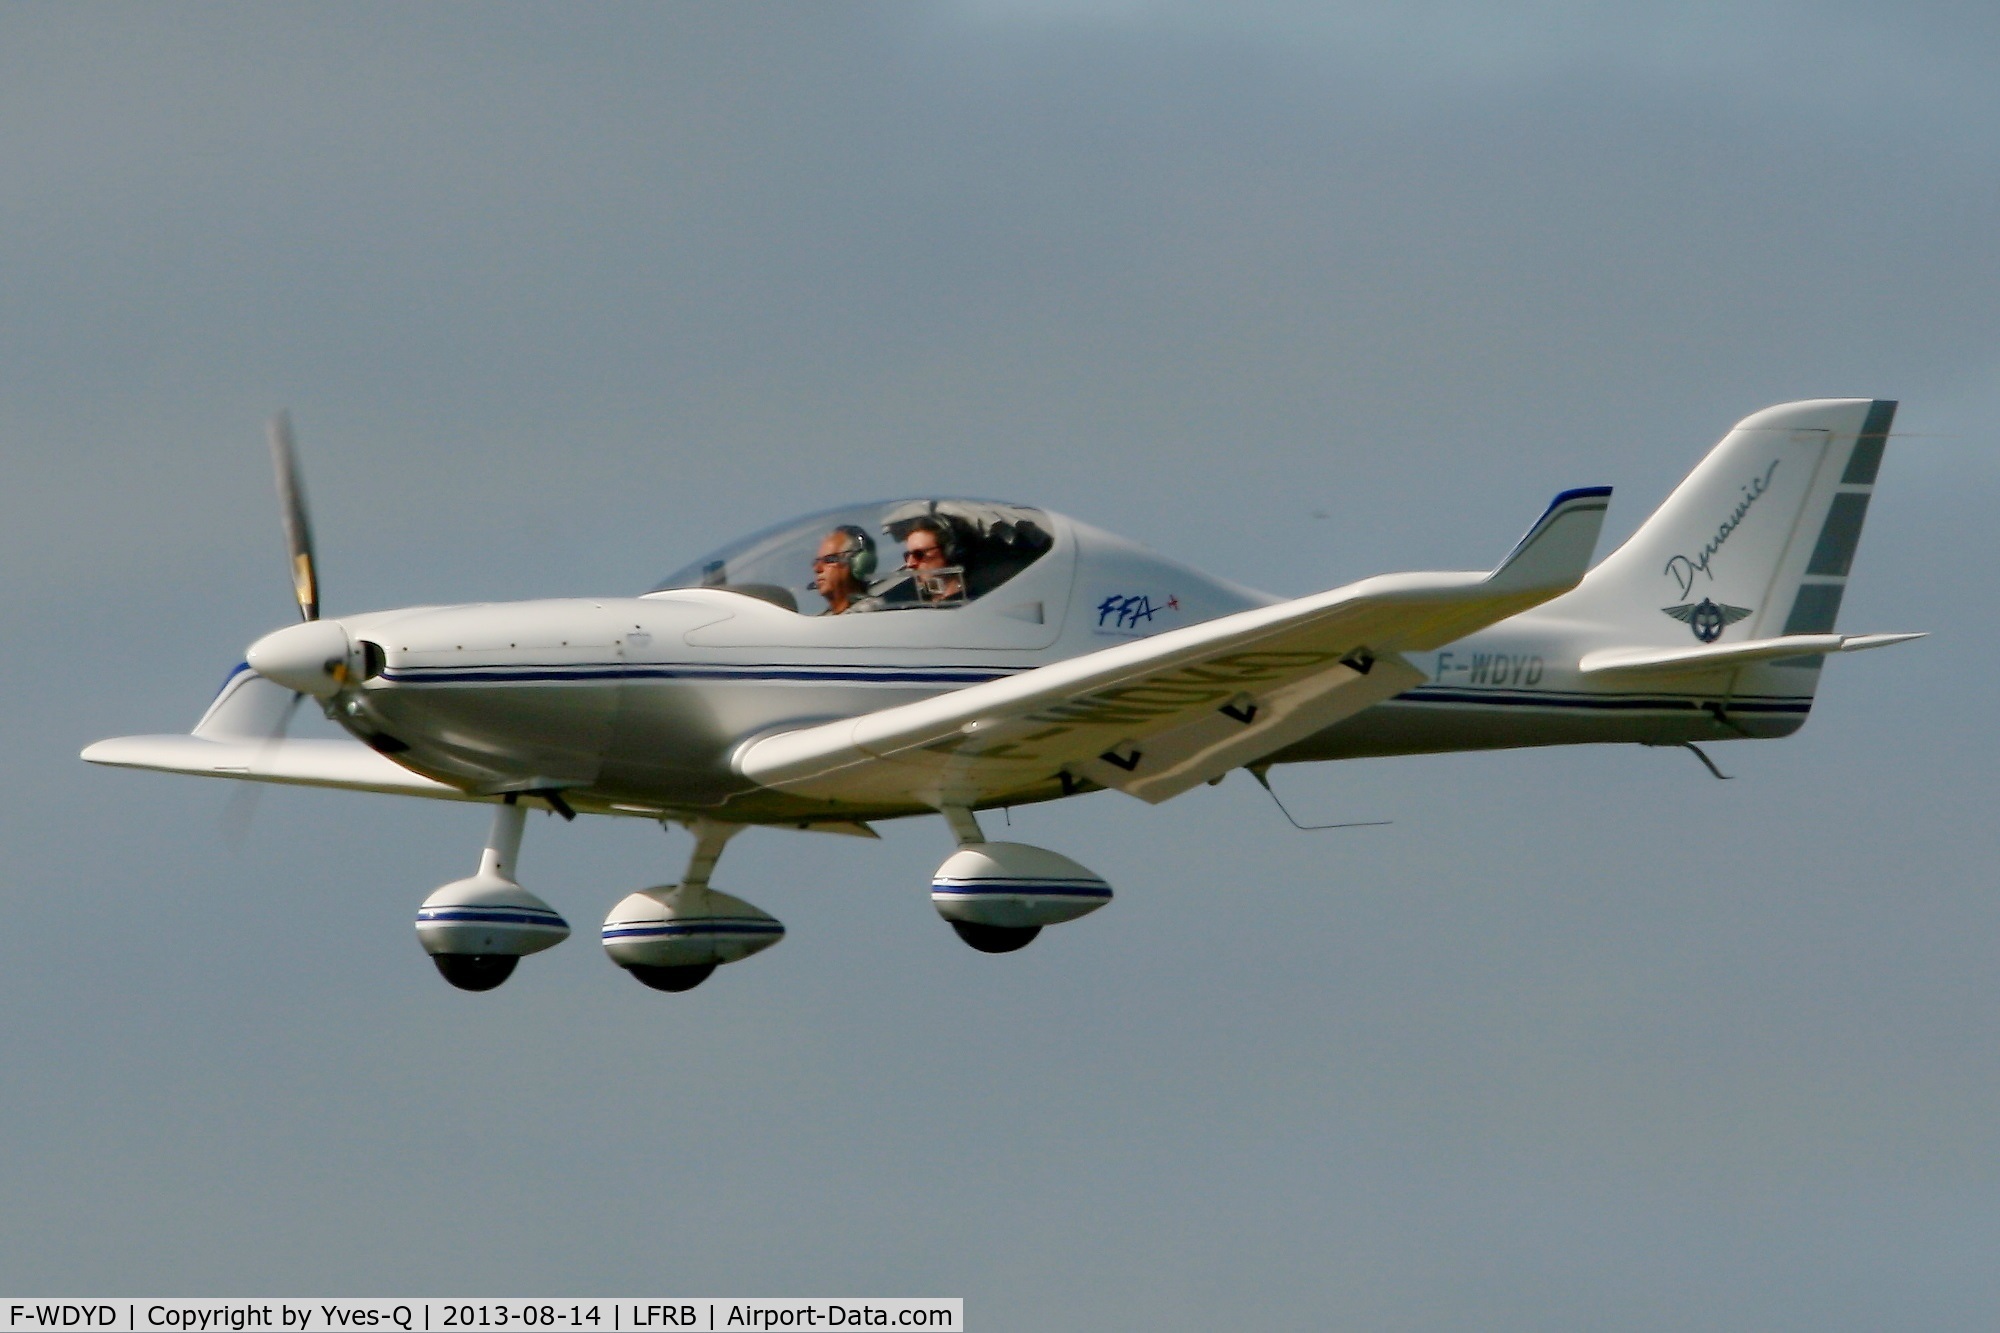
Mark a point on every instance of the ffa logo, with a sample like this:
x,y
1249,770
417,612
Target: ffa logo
x,y
1706,618
1130,612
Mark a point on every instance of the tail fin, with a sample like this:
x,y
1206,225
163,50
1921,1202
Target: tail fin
x,y
1760,535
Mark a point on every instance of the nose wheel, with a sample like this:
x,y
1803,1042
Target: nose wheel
x,y
477,930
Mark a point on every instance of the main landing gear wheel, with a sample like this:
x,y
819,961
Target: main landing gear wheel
x,y
675,979
475,971
999,895
995,939
672,936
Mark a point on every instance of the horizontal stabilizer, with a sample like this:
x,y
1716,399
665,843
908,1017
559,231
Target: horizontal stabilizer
x,y
1723,656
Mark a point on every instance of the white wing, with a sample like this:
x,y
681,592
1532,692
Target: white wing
x,y
1159,716
239,737
306,763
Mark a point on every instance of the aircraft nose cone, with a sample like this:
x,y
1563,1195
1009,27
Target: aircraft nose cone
x,y
310,658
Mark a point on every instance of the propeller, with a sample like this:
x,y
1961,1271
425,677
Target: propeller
x,y
297,521
274,660
310,658
241,812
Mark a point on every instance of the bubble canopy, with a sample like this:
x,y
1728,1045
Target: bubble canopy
x,y
889,555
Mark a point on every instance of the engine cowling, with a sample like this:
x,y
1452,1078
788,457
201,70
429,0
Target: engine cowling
x,y
671,938
999,895
477,929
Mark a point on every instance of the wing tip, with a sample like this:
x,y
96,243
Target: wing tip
x,y
1559,563
1580,493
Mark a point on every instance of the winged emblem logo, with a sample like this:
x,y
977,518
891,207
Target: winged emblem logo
x,y
1707,618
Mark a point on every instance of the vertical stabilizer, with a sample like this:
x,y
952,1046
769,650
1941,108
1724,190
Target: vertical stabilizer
x,y
1755,543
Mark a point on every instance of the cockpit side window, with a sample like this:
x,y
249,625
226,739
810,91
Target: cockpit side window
x,y
903,555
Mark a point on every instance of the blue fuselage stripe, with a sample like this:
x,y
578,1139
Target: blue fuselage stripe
x,y
542,672
949,676
1679,703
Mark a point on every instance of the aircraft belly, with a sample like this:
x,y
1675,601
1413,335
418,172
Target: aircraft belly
x,y
672,740
486,735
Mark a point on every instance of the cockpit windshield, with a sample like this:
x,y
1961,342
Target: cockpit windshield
x,y
889,556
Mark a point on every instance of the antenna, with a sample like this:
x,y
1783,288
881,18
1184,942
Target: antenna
x,y
1706,762
1258,771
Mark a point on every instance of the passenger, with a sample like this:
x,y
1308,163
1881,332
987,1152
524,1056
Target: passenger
x,y
841,570
930,553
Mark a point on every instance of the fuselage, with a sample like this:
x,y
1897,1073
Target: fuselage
x,y
635,705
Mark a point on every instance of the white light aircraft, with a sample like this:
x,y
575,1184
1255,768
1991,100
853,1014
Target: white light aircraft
x,y
957,655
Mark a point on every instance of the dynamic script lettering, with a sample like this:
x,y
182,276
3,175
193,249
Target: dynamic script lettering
x,y
1683,568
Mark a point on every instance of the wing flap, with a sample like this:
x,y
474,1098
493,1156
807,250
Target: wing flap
x,y
1248,727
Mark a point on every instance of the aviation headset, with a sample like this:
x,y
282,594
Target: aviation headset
x,y
860,551
946,534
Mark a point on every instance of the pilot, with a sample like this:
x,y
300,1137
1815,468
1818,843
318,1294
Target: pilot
x,y
842,568
930,553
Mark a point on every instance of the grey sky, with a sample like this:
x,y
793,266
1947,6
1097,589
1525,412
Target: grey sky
x,y
560,297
